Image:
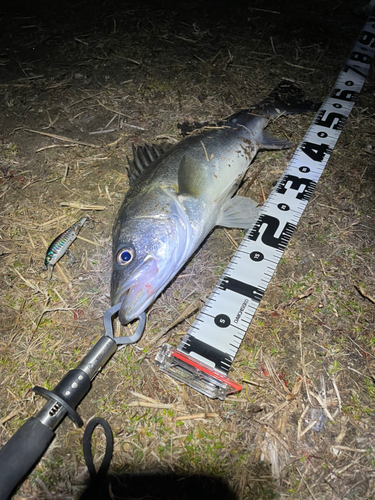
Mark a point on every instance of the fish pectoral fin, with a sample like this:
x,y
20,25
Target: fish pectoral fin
x,y
267,141
192,177
238,212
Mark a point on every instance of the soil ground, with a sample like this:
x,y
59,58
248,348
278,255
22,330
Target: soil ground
x,y
108,75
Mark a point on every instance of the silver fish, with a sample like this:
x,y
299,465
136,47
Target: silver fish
x,y
177,200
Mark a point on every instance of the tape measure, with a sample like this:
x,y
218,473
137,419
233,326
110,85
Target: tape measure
x,y
204,357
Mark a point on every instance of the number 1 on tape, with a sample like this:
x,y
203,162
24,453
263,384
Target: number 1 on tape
x,y
204,357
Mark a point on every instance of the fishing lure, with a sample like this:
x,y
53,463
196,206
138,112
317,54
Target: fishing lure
x,y
60,245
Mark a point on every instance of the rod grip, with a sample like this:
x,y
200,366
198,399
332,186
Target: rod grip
x,y
21,453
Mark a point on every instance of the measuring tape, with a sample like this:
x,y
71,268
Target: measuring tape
x,y
204,357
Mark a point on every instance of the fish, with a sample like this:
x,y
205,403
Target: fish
x,y
176,198
61,244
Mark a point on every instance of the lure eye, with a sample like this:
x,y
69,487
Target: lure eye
x,y
125,256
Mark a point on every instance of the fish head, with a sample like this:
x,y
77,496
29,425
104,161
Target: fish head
x,y
149,247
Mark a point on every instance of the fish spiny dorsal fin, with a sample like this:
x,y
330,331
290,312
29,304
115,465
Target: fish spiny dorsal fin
x,y
143,158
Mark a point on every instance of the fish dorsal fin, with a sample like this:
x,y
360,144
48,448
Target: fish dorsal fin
x,y
238,212
143,158
192,177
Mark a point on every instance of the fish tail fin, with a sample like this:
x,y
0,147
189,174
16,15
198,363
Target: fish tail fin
x,y
286,98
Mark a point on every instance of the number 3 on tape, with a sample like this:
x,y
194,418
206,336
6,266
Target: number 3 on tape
x,y
204,357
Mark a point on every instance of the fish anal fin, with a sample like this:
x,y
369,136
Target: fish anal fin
x,y
239,212
268,141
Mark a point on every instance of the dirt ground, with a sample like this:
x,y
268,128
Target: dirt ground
x,y
79,83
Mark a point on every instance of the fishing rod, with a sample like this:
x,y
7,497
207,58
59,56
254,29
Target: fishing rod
x,y
30,442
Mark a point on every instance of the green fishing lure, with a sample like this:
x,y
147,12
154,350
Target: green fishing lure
x,y
60,245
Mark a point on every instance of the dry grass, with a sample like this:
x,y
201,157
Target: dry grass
x,y
303,425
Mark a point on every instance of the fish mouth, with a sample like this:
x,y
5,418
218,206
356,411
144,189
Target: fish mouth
x,y
137,293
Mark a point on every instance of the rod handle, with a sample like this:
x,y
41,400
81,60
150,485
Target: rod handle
x,y
21,453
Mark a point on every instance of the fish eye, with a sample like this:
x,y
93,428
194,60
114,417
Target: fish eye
x,y
125,256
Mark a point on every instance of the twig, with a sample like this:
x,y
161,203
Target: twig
x,y
346,448
107,131
198,415
61,138
9,416
230,238
52,221
40,319
110,144
323,406
81,206
130,60
300,67
311,424
251,182
337,393
272,45
346,307
170,138
113,110
205,152
188,311
29,284
54,146
363,293
293,300
299,428
121,114
89,241
111,120
261,188
265,10
152,403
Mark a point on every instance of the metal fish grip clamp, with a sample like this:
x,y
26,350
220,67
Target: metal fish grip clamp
x,y
205,355
76,383
25,448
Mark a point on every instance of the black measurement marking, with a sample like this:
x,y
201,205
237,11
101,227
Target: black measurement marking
x,y
367,38
314,151
219,358
356,70
336,121
344,95
268,237
244,289
360,57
